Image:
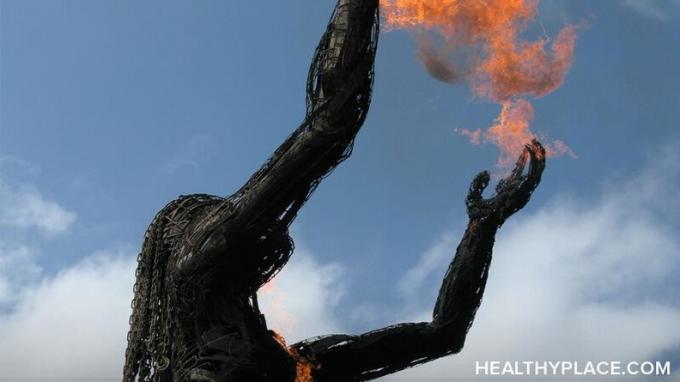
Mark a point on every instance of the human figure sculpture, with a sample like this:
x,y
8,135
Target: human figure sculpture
x,y
195,312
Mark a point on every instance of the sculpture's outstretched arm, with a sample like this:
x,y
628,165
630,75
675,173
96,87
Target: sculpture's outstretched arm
x,y
385,351
338,97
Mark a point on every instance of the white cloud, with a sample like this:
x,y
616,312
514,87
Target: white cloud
x,y
25,207
72,325
581,280
300,301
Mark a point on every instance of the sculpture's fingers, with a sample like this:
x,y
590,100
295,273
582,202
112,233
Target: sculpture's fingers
x,y
536,165
479,183
474,201
518,196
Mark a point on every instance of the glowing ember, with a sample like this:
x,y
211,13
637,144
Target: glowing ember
x,y
482,45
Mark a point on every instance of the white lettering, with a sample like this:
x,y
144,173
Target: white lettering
x,y
573,368
479,368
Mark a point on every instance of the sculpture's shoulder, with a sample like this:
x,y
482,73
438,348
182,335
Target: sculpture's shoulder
x,y
172,219
171,223
185,204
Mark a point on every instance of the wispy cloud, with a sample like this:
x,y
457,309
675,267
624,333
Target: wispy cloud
x,y
26,218
654,9
10,162
419,276
197,150
17,268
25,207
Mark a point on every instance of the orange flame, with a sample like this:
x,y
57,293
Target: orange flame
x,y
303,367
498,64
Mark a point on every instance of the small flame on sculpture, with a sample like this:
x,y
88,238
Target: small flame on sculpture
x,y
482,44
277,310
303,368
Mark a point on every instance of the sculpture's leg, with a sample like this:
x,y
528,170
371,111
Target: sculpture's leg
x,y
385,351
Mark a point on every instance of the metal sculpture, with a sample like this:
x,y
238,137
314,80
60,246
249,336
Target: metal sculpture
x,y
195,312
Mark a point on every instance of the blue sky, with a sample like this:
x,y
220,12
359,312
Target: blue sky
x,y
110,109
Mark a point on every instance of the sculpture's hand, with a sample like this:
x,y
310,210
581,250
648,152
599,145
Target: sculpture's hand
x,y
512,192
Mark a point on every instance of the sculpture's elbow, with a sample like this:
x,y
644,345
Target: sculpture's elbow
x,y
450,337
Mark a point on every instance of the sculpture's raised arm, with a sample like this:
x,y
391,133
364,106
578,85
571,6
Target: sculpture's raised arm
x,y
338,97
385,351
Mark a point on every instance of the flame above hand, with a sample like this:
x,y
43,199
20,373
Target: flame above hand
x,y
496,62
